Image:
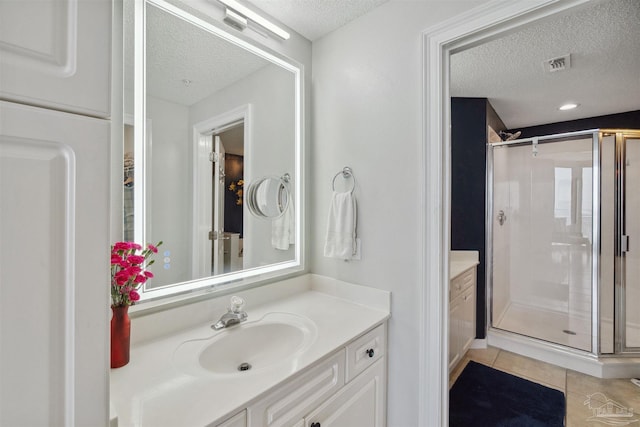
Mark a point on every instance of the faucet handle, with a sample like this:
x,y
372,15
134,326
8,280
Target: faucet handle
x,y
236,304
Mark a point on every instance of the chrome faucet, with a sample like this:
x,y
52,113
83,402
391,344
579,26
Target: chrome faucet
x,y
234,315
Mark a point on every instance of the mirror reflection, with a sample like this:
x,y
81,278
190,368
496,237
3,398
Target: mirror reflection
x,y
218,115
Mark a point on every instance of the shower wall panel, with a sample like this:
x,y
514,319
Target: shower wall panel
x,y
501,294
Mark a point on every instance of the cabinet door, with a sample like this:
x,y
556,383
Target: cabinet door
x,y
54,268
454,332
56,54
467,319
361,403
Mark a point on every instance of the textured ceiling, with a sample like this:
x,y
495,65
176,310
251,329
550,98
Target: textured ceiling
x,y
176,50
315,18
603,39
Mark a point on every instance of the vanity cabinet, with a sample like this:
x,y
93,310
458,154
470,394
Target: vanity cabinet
x,y
57,54
359,403
462,315
54,188
238,420
55,59
348,388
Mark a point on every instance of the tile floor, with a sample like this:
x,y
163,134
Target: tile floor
x,y
576,386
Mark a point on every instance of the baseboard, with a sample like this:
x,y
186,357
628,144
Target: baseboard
x,y
479,343
577,360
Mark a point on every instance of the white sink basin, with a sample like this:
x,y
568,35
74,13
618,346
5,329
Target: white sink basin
x,y
270,341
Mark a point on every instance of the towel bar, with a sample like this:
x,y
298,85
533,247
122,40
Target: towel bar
x,y
346,174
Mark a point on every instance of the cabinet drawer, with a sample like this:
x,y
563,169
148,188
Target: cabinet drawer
x,y
290,402
462,282
364,351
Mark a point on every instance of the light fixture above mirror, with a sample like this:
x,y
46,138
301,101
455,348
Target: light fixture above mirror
x,y
238,15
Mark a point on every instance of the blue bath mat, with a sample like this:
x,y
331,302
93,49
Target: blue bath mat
x,y
485,397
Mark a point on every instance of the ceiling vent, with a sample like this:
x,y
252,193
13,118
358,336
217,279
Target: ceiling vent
x,y
558,64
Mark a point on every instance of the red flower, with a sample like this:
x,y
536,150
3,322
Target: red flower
x,y
135,259
152,248
148,274
140,279
133,270
121,277
134,296
115,259
122,246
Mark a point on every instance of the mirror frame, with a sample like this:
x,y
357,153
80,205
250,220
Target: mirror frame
x,y
142,147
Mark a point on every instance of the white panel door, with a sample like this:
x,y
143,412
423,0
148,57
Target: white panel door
x,y
56,54
218,186
54,268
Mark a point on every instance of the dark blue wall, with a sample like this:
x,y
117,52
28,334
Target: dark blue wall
x,y
234,171
628,120
468,188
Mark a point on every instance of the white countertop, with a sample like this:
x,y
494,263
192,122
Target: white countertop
x,y
461,261
152,391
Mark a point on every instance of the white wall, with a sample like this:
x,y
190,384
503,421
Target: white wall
x,y
170,183
171,154
367,114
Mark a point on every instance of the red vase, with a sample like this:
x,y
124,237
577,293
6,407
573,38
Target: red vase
x,y
120,336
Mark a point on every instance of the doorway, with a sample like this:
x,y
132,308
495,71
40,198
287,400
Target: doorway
x,y
220,144
227,186
439,42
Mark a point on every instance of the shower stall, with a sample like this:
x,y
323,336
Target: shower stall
x,y
563,255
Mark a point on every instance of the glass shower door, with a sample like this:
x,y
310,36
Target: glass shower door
x,y
631,242
542,239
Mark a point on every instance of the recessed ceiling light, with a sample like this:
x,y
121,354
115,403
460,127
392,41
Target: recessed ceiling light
x,y
568,106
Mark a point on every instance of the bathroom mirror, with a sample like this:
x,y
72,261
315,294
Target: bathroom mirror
x,y
219,112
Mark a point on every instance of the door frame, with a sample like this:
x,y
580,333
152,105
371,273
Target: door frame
x,y
202,194
487,21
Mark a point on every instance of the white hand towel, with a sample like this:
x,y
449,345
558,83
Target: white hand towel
x,y
341,227
283,229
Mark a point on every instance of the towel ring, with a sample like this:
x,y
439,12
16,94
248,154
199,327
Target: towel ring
x,y
346,174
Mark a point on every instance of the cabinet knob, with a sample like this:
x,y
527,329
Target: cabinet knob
x,y
370,353
315,425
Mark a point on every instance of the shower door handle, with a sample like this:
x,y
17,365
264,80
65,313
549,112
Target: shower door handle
x,y
502,218
624,244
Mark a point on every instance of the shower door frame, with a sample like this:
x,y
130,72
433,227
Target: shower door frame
x,y
595,230
620,272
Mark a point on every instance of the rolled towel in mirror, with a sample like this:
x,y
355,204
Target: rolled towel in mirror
x,y
283,229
